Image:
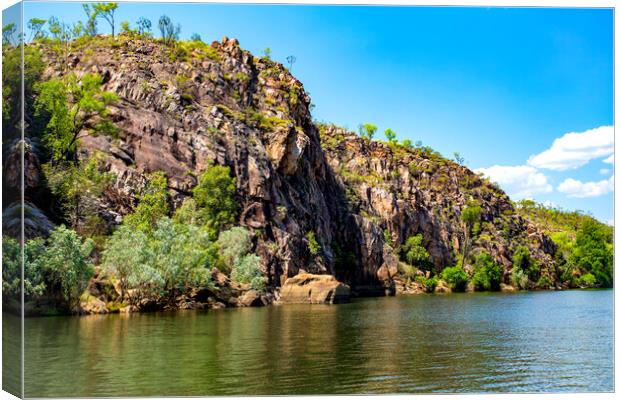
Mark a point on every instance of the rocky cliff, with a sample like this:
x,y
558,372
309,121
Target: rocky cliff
x,y
181,109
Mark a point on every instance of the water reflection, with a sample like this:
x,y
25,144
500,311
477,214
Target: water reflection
x,y
457,343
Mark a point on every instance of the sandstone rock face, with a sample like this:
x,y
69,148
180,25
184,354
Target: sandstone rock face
x,y
314,289
229,108
92,305
414,191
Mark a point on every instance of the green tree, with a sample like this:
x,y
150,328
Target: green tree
x,y
367,130
523,260
152,205
487,274
233,244
519,279
247,270
8,31
144,26
390,136
65,264
71,105
267,53
234,248
407,143
36,28
62,35
291,60
169,31
127,257
16,70
459,158
456,278
106,11
91,12
593,252
171,259
195,38
189,213
215,195
79,186
34,284
57,268
414,252
470,217
182,256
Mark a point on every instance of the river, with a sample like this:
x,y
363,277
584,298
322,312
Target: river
x,y
463,343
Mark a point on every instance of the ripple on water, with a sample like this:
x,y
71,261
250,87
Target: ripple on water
x,y
530,342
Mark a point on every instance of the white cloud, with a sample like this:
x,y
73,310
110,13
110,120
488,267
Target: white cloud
x,y
575,188
521,181
605,171
576,149
609,160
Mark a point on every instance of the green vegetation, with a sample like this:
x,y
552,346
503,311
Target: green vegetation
x,y
215,195
487,274
78,186
169,31
390,135
69,105
470,217
593,254
313,246
414,253
55,269
455,277
153,204
367,130
90,10
429,283
106,11
170,259
144,26
36,27
234,247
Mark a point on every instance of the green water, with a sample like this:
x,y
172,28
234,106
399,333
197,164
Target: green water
x,y
535,342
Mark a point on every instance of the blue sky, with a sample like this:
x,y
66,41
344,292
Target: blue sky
x,y
498,85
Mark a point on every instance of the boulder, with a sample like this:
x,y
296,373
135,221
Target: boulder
x,y
442,288
251,298
314,289
91,305
507,288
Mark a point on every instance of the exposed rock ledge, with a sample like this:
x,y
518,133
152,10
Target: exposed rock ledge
x,y
314,289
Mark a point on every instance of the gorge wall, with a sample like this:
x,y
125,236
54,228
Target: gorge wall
x,y
182,109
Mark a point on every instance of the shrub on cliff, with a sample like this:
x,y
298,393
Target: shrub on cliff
x,y
68,105
234,248
233,245
519,279
522,260
487,274
414,253
456,278
153,204
78,187
215,195
247,270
